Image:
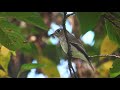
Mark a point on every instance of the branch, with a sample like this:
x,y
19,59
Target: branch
x,y
104,56
105,60
69,47
111,19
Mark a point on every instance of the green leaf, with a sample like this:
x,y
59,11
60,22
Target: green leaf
x,y
113,32
26,67
88,20
55,50
11,37
17,14
115,70
37,21
29,17
30,66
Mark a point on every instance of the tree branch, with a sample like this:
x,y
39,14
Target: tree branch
x,y
105,59
104,56
112,19
69,54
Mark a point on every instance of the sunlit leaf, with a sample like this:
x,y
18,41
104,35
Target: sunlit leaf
x,y
105,68
115,70
10,36
50,69
3,74
107,47
4,51
4,58
88,20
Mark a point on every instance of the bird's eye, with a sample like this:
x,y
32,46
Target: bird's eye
x,y
58,30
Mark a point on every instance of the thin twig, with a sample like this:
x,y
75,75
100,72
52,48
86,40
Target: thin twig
x,y
105,59
69,47
107,55
111,19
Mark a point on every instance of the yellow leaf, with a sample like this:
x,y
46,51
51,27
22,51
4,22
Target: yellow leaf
x,y
3,74
4,57
107,47
108,65
4,51
104,68
50,68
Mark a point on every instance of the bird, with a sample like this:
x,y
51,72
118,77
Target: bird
x,y
77,49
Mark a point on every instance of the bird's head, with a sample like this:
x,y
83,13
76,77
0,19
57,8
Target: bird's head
x,y
58,33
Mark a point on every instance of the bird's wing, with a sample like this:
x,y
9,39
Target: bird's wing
x,y
80,49
85,54
76,43
74,40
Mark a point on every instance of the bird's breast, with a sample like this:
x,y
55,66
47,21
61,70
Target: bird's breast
x,y
75,53
64,46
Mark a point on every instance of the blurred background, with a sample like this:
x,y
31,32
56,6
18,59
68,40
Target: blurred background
x,y
45,57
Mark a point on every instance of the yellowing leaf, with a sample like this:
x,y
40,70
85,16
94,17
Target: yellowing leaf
x,y
50,68
4,57
3,74
107,47
108,65
115,70
4,51
104,68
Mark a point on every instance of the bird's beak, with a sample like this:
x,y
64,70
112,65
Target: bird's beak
x,y
52,35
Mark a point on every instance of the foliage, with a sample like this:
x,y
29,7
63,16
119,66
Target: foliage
x,y
50,69
17,49
110,43
26,67
88,20
10,36
113,32
4,58
30,17
115,70
4,61
107,47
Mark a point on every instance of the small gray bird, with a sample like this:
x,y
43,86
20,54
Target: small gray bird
x,y
76,47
